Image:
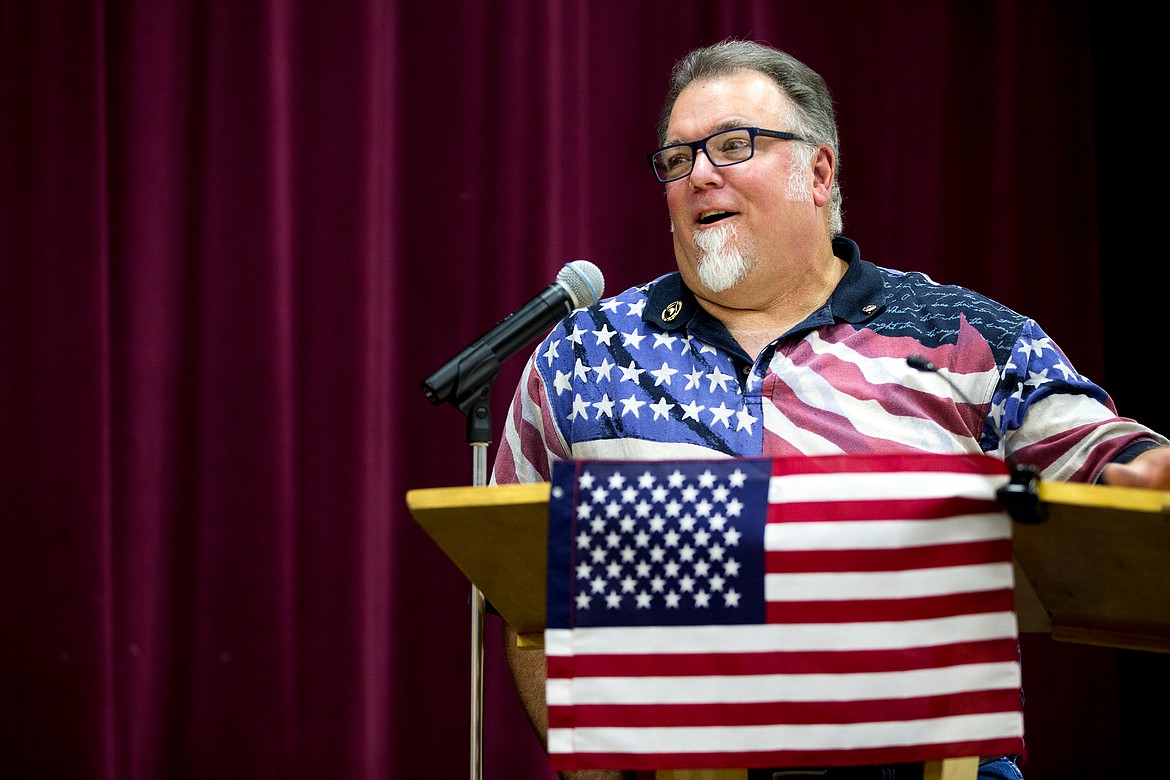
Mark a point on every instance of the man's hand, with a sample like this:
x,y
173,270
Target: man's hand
x,y
1151,469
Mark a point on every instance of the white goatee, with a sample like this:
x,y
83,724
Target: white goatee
x,y
721,262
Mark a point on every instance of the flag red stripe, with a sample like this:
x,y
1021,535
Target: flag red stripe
x,y
932,508
779,662
881,610
897,754
912,462
768,713
888,559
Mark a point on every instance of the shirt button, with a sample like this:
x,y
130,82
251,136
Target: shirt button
x,y
747,370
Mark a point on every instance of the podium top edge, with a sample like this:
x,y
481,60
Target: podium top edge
x,y
1050,492
1104,496
492,495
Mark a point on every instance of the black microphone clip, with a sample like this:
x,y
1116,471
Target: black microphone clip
x,y
1020,495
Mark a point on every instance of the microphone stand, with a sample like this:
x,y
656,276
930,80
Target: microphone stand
x,y
471,396
465,381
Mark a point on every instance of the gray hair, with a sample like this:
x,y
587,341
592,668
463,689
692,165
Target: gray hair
x,y
804,88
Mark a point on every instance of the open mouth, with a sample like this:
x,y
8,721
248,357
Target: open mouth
x,y
711,217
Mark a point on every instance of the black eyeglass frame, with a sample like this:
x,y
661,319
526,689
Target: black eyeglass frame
x,y
701,146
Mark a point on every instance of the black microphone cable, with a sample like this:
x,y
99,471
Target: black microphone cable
x,y
1019,495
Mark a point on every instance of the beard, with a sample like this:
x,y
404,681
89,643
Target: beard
x,y
798,188
722,262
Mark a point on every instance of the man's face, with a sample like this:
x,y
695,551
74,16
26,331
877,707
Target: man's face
x,y
754,203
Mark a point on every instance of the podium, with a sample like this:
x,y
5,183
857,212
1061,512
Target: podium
x,y
1095,571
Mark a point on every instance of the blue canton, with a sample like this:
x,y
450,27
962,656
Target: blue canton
x,y
664,543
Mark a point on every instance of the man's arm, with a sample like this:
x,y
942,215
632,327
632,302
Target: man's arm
x,y
527,665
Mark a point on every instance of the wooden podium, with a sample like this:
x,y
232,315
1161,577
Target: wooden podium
x,y
1096,571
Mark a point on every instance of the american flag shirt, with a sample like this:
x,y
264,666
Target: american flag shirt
x,y
647,374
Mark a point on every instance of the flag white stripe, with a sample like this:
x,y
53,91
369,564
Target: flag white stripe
x,y
722,739
745,689
865,415
885,534
895,371
781,637
800,437
850,586
633,448
868,416
873,486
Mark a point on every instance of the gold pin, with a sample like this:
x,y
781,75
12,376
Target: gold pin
x,y
671,311
869,308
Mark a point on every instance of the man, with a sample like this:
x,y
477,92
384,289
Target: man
x,y
775,338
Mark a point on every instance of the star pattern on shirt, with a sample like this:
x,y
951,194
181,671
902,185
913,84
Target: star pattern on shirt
x,y
624,371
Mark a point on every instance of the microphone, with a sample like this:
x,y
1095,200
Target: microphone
x,y
1019,494
578,284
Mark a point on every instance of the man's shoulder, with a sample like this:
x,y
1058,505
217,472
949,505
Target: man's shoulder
x,y
611,324
918,288
630,305
916,305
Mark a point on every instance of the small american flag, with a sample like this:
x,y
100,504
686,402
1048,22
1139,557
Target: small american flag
x,y
785,612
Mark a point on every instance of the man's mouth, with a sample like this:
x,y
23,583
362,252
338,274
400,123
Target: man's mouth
x,y
713,216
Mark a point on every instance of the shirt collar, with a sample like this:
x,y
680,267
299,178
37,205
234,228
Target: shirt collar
x,y
861,293
670,305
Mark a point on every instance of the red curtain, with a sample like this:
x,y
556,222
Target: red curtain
x,y
234,237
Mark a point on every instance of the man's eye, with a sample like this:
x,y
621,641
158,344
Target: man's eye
x,y
677,160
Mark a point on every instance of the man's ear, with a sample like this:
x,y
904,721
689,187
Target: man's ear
x,y
824,170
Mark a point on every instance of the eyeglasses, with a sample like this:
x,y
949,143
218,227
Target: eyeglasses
x,y
727,147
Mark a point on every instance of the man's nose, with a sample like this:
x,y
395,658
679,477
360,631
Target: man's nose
x,y
703,171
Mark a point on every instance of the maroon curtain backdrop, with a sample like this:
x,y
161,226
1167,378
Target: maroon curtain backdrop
x,y
235,235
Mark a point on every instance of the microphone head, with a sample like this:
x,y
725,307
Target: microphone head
x,y
583,281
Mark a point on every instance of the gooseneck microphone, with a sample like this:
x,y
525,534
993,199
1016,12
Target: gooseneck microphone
x,y
1019,495
578,284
